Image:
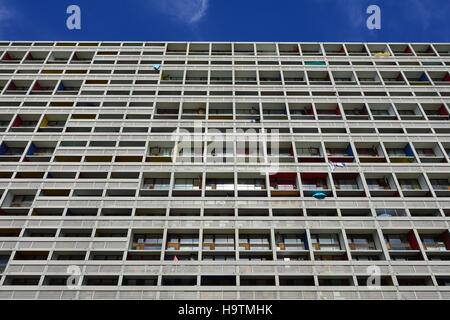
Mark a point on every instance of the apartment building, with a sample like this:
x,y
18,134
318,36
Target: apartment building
x,y
174,170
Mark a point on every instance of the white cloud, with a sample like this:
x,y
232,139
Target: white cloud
x,y
187,11
6,14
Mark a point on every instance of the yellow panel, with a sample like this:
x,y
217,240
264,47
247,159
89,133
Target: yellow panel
x,y
44,122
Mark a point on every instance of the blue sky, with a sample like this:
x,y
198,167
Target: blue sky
x,y
227,20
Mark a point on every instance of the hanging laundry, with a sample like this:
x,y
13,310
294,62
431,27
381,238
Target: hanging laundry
x,y
334,165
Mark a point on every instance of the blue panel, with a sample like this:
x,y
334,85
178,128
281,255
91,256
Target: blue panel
x,y
423,77
409,151
305,239
31,150
61,87
349,150
3,148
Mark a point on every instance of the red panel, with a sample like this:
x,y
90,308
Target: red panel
x,y
443,111
17,122
36,86
338,111
284,175
447,77
408,49
446,239
12,86
29,57
6,57
413,241
311,175
342,50
400,77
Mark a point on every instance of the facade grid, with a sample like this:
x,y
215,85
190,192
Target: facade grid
x,y
215,170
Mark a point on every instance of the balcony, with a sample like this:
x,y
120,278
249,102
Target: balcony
x,y
355,111
332,49
370,153
18,87
219,185
274,111
167,110
43,87
182,242
400,152
429,152
220,111
196,77
403,246
221,77
288,49
393,78
328,111
187,184
254,242
220,152
381,185
291,242
409,112
348,185
147,241
413,185
52,123
13,57
218,242
248,111
339,152
417,78
344,78
193,110
156,184
368,78
361,242
11,151
250,185
160,152
245,78
294,78
321,78
435,111
284,185
440,184
401,242
176,49
69,87
382,111
355,49
40,151
436,241
325,242
19,199
59,57
172,77
301,111
244,49
309,152
221,49
313,183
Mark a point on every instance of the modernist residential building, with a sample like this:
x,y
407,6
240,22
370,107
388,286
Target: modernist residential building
x,y
174,170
